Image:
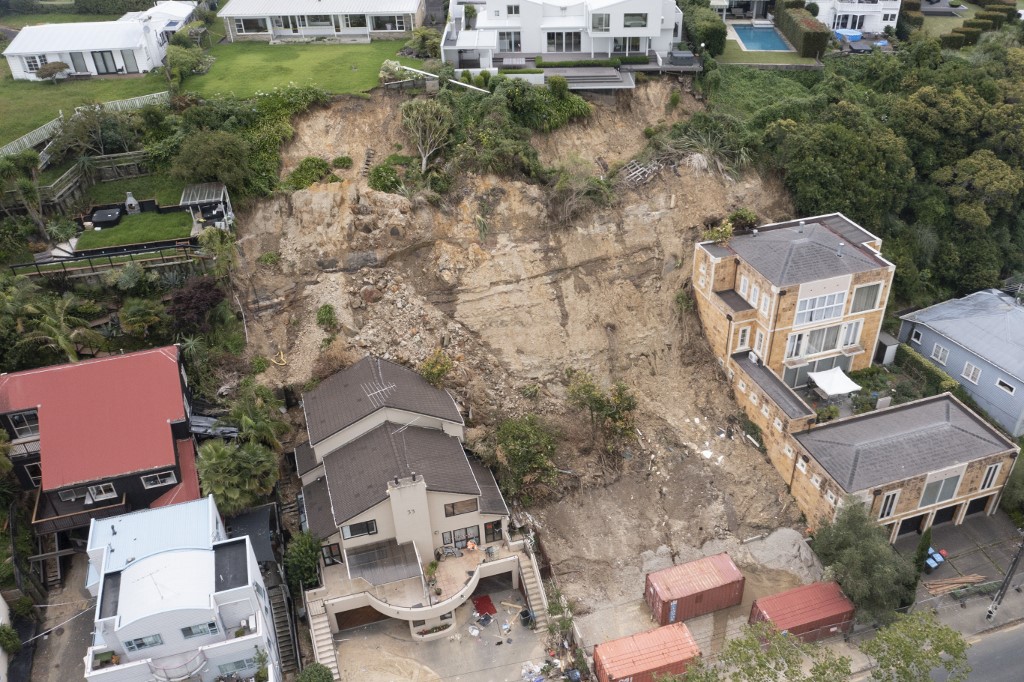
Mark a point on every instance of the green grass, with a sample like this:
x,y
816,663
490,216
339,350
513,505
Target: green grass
x,y
244,68
138,229
745,91
22,20
734,54
936,26
165,189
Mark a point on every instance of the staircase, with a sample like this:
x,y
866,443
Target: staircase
x,y
534,592
51,566
323,641
283,629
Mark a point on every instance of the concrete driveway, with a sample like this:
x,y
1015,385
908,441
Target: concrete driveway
x,y
59,655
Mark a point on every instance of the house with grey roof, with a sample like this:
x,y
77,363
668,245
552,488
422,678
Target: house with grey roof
x,y
979,341
388,488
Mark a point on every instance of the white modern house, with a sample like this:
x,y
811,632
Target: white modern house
x,y
343,21
870,16
176,599
558,29
135,43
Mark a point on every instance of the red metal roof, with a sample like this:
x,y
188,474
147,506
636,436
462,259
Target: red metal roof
x,y
802,605
101,418
650,650
695,576
188,489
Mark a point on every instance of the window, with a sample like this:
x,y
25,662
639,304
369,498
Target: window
x,y
794,346
34,472
971,373
143,643
200,630
816,480
744,285
764,410
497,12
319,20
461,507
753,398
940,354
419,623
889,504
570,41
509,41
461,537
755,294
492,531
512,10
33,62
357,529
71,494
915,336
801,465
703,268
701,282
865,298
625,44
823,340
888,18
1006,387
940,491
819,308
743,386
744,340
389,23
766,303
250,25
355,21
831,497
446,616
600,23
228,668
777,424
851,333
25,424
103,491
789,451
991,473
634,20
158,480
331,554
759,341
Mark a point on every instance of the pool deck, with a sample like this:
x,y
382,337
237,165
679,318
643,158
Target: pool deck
x,y
731,34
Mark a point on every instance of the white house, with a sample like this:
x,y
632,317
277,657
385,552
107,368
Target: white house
x,y
871,16
176,599
135,43
566,29
355,21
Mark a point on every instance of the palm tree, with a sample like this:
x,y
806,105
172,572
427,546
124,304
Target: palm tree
x,y
57,327
19,299
253,414
238,477
140,316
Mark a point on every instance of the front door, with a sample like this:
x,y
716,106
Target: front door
x,y
130,65
104,62
78,62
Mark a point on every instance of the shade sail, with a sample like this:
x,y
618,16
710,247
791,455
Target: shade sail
x,y
833,382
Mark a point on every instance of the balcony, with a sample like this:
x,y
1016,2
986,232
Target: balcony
x,y
24,447
50,516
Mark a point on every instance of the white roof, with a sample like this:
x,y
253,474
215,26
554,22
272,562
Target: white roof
x,y
95,35
271,8
833,382
135,536
171,9
471,40
169,581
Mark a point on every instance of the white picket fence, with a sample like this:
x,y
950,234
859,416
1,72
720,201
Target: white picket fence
x,y
137,102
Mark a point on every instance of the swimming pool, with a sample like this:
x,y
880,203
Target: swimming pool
x,y
761,39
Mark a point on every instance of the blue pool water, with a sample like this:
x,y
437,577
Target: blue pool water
x,y
761,39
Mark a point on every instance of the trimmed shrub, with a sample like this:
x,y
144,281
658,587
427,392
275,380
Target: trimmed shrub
x,y
911,5
794,4
512,72
813,9
704,25
971,35
912,20
997,18
809,36
574,63
951,41
980,24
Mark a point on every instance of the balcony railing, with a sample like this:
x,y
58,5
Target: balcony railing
x,y
43,524
24,447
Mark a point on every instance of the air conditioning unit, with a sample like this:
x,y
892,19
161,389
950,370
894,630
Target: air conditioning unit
x,y
752,356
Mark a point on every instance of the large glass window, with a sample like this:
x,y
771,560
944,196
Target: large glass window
x,y
461,507
492,531
33,62
971,372
200,630
865,298
509,41
357,529
600,23
940,354
331,554
461,537
143,642
237,666
355,21
319,19
564,42
634,20
940,491
25,424
389,23
819,308
512,10
625,44
991,473
851,337
250,25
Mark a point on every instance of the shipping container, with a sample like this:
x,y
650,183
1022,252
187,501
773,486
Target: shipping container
x,y
646,657
693,589
811,612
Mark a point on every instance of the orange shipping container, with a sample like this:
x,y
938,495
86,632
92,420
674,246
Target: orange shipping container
x,y
811,612
694,588
665,651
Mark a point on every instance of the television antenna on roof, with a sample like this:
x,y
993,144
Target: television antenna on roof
x,y
377,392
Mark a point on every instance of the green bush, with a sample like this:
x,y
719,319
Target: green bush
x,y
997,19
9,639
809,36
511,71
384,178
813,9
912,20
911,5
743,219
342,162
440,182
980,24
704,25
951,41
794,4
971,35
436,367
302,561
24,607
573,63
111,6
311,169
326,318
259,364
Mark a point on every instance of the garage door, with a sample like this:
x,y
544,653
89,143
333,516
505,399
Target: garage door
x,y
945,515
361,616
978,506
911,525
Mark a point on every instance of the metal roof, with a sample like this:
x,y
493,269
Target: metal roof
x,y
271,8
989,324
96,35
804,605
316,500
902,442
203,193
169,581
694,577
648,651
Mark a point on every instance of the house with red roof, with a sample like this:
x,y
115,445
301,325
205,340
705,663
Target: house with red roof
x,y
100,437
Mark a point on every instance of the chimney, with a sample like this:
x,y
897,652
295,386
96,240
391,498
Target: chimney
x,y
839,251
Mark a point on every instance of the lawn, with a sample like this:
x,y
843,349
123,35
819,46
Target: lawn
x,y
936,26
22,20
138,229
734,54
165,189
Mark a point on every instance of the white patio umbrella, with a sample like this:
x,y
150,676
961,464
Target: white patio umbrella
x,y
833,382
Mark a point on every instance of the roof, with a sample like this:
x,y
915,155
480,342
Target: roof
x,y
316,500
367,386
230,565
652,650
101,418
732,299
188,488
305,459
796,252
131,537
265,8
358,472
902,442
83,36
776,389
694,577
204,193
169,581
491,499
804,605
989,323
259,526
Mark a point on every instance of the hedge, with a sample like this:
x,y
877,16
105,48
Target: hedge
x,y
704,25
513,72
914,20
911,5
971,35
809,36
951,41
980,24
573,63
794,4
997,18
111,6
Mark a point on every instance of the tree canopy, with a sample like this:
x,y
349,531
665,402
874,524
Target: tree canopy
x,y
913,646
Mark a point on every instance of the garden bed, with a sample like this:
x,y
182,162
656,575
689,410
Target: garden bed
x,y
139,229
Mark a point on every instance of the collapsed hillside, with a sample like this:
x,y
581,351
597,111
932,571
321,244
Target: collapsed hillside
x,y
517,303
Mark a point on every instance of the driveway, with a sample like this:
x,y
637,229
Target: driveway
x,y
59,655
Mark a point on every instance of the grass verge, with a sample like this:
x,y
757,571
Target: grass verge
x,y
23,20
138,229
160,186
734,54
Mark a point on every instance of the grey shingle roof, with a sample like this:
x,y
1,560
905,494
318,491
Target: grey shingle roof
x,y
305,459
370,384
788,253
988,323
358,472
774,388
317,501
732,299
902,442
491,500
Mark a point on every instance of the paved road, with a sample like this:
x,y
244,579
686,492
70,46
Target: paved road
x,y
997,657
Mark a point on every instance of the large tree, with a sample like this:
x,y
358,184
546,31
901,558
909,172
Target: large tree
x,y
238,476
214,156
523,455
57,326
911,648
429,123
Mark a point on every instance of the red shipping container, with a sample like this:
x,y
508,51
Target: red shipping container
x,y
665,651
694,588
811,612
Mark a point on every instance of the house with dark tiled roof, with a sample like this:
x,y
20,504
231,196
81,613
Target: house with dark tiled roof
x,y
388,488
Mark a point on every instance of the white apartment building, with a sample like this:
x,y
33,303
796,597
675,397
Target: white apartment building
x,y
176,599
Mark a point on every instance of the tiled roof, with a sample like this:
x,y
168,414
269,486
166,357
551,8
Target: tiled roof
x,y
491,500
358,472
101,418
367,386
305,459
317,501
902,442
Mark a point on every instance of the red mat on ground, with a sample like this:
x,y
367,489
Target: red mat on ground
x,y
484,605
